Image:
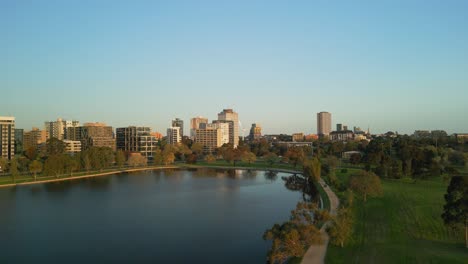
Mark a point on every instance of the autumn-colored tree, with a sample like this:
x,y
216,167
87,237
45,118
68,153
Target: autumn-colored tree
x,y
119,158
341,227
248,157
210,158
197,148
312,169
137,160
168,156
366,184
3,164
35,167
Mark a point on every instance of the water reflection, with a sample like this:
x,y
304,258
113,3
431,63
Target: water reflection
x,y
271,175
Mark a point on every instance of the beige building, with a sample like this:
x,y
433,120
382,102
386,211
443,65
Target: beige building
x,y
34,138
233,117
324,123
72,146
7,137
298,137
210,137
92,135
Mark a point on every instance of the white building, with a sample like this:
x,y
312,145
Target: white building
x,y
58,129
7,137
173,135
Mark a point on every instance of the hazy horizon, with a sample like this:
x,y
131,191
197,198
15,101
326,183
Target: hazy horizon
x,y
387,65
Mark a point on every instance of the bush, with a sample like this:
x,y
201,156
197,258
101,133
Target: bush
x,y
344,170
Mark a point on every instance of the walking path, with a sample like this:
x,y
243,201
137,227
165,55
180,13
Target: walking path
x,y
316,253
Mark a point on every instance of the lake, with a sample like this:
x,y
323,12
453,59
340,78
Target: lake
x,y
166,216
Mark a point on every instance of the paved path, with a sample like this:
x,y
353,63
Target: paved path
x,y
316,253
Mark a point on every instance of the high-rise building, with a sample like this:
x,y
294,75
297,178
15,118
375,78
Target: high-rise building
x,y
196,123
136,139
58,129
179,123
34,138
7,137
173,135
19,139
323,124
230,115
255,132
339,127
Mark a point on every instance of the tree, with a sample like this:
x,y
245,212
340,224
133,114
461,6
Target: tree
x,y
72,164
366,183
119,158
55,146
341,227
55,165
137,160
35,167
3,164
31,153
191,159
248,157
197,148
210,158
14,169
355,158
168,156
312,169
271,158
86,161
455,212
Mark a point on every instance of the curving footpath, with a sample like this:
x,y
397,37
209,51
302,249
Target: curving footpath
x,y
316,253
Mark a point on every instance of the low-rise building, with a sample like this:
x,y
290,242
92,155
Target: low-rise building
x,y
343,135
72,146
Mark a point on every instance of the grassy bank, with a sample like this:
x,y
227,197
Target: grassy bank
x,y
402,226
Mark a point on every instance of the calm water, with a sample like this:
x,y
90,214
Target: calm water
x,y
200,216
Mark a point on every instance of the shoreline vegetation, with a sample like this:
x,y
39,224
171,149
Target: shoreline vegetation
x,y
6,181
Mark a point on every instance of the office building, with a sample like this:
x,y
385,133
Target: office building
x,y
339,127
34,138
173,135
136,139
7,137
196,123
58,129
180,124
228,115
255,132
323,124
93,135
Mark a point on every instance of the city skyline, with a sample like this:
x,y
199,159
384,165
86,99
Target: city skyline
x,y
277,64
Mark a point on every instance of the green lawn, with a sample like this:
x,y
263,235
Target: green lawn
x,y
402,226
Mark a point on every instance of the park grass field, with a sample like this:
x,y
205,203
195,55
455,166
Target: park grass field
x,y
402,226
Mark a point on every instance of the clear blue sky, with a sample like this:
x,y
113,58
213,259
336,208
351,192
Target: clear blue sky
x,y
390,65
